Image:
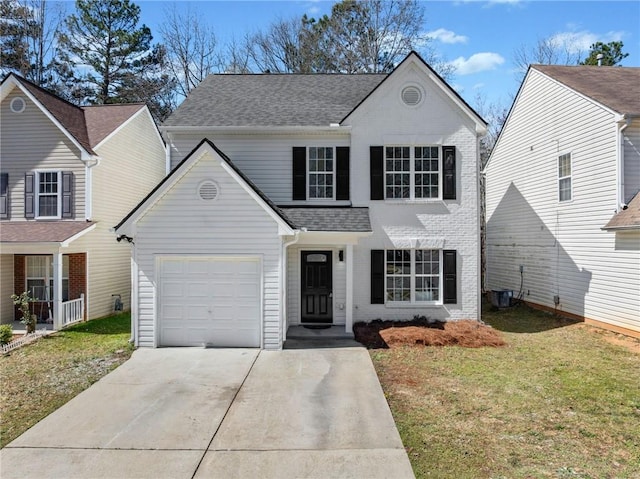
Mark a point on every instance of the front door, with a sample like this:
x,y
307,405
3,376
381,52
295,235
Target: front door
x,y
317,287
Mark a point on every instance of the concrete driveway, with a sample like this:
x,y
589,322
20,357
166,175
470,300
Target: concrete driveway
x,y
196,413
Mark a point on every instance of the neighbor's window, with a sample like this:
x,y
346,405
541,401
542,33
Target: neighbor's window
x,y
321,172
413,275
564,177
48,194
412,172
40,277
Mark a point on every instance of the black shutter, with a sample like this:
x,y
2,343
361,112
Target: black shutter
x,y
4,196
342,173
299,173
29,195
376,172
377,276
450,295
67,194
449,173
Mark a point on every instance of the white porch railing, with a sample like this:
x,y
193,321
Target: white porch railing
x,y
72,311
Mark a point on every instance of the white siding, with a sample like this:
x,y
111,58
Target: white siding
x,y
266,160
454,224
6,288
233,224
563,250
30,141
132,163
631,174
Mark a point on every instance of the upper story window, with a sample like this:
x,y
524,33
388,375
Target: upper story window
x,y
321,172
412,172
48,194
564,177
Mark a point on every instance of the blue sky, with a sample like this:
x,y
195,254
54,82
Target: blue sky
x,y
479,37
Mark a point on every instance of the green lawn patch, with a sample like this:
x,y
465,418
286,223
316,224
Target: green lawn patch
x,y
558,401
39,378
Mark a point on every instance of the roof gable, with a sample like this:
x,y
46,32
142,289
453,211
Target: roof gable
x,y
85,126
182,168
617,88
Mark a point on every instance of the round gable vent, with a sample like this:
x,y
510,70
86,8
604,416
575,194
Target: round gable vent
x,y
208,190
411,95
17,105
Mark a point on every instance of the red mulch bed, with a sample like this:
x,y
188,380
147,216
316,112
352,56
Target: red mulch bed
x,y
389,334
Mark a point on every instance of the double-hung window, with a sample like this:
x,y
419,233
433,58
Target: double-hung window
x,y
48,194
321,172
564,177
39,277
413,276
412,172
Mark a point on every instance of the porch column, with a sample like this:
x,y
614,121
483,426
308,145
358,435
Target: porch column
x,y
57,290
349,317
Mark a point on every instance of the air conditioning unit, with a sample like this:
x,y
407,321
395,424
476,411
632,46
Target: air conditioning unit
x,y
501,298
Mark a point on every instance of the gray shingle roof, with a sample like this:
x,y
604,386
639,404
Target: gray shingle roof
x,y
615,87
329,219
273,100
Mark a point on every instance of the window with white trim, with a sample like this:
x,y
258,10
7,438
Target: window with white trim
x,y
564,177
321,172
39,277
413,276
412,172
48,194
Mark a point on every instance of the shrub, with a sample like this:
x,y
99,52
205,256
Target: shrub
x,y
22,301
6,333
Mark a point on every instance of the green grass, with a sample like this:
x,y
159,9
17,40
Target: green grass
x,y
39,378
557,402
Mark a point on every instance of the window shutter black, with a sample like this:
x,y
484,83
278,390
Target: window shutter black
x,y
67,194
376,172
299,173
4,196
342,173
29,195
449,173
377,276
450,295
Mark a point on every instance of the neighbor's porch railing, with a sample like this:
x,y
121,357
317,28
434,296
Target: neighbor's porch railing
x,y
72,311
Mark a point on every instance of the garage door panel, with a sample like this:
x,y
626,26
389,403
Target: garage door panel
x,y
210,301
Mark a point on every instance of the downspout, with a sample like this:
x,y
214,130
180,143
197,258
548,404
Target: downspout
x,y
283,280
167,155
89,163
623,122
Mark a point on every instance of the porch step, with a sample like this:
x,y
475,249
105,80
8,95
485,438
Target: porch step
x,y
332,332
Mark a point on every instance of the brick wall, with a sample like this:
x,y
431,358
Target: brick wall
x,y
78,277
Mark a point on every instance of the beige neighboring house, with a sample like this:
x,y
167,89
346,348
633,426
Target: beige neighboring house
x,y
67,175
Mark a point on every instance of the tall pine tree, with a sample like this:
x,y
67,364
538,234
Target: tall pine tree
x,y
102,50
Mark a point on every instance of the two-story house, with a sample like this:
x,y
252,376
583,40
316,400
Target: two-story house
x,y
563,209
309,200
67,175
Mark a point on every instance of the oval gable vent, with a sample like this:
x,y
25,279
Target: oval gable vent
x,y
411,95
208,190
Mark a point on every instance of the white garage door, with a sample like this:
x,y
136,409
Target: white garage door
x,y
210,301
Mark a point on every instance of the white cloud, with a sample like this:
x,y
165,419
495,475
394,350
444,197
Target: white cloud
x,y
579,42
478,62
447,36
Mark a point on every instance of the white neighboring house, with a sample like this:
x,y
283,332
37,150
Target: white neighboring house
x,y
308,200
562,195
67,174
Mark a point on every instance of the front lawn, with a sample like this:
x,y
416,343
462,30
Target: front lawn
x,y
558,401
39,378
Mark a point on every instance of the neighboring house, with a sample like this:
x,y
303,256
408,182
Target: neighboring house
x,y
68,174
309,200
562,195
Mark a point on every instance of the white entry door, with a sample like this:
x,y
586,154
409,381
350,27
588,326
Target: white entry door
x,y
209,301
